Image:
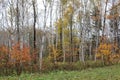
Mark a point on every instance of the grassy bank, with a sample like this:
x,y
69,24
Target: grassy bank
x,y
105,73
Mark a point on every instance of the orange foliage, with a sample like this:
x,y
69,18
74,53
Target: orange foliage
x,y
108,52
104,49
3,53
20,55
4,49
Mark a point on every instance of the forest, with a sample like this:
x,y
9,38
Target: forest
x,y
40,36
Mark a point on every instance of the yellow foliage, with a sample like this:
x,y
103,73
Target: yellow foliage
x,y
98,55
114,58
108,52
105,49
54,53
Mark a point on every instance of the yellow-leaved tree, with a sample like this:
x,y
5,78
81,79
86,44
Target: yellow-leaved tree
x,y
108,52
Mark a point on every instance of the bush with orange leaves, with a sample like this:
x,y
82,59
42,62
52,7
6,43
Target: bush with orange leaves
x,y
15,57
20,55
108,52
104,49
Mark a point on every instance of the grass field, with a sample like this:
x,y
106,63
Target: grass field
x,y
105,73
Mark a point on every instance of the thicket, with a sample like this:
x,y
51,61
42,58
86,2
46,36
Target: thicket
x,y
16,60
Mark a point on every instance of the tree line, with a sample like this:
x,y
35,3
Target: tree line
x,y
35,33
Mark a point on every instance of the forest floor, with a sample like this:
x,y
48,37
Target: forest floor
x,y
104,73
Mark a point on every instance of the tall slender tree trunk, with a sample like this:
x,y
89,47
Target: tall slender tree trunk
x,y
18,29
18,65
61,30
43,37
34,25
64,55
71,38
41,53
104,21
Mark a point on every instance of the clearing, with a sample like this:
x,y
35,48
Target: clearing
x,y
105,73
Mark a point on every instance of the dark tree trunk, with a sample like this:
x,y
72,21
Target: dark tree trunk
x,y
34,28
18,30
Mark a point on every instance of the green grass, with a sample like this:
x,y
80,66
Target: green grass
x,y
105,73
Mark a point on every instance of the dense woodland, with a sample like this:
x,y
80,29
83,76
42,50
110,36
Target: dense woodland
x,y
46,35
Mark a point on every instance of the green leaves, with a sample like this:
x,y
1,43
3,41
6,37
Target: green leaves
x,y
63,2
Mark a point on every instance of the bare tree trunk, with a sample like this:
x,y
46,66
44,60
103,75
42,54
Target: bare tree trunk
x,y
63,49
104,21
51,21
61,30
82,54
43,36
18,30
96,46
71,38
34,28
90,50
41,53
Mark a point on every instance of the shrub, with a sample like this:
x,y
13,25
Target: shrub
x,y
93,64
114,58
47,65
20,57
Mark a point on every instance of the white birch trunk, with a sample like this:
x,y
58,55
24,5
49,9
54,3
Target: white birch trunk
x,y
41,53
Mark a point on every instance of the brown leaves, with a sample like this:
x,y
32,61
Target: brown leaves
x,y
4,56
95,18
4,49
112,16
